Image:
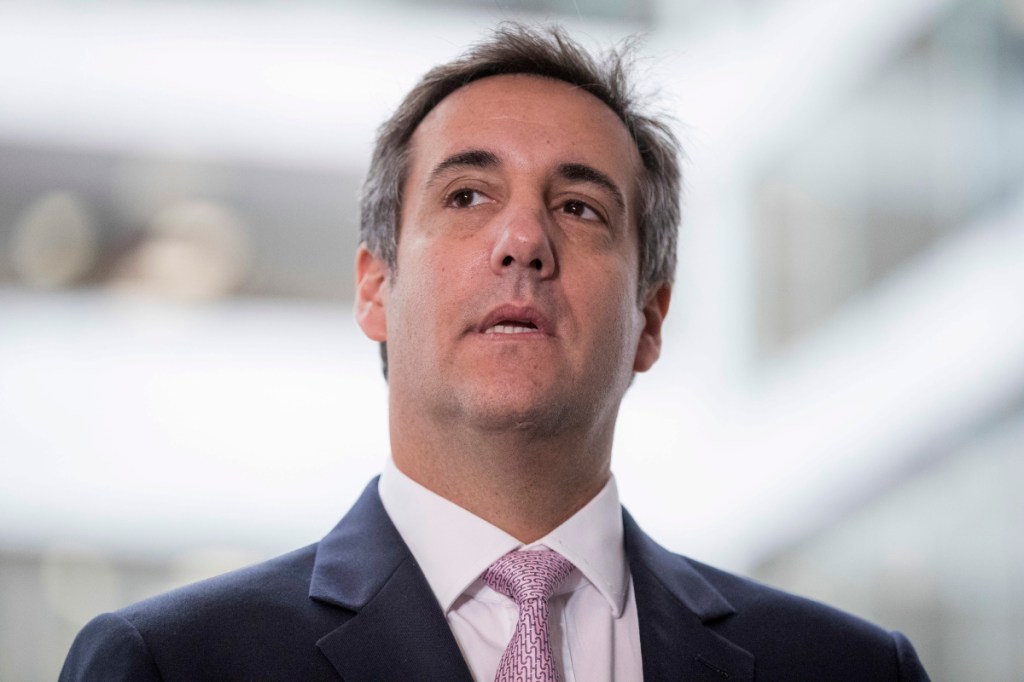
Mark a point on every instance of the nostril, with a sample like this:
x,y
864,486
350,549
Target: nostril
x,y
506,261
536,264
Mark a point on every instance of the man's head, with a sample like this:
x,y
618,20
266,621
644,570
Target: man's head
x,y
512,49
519,237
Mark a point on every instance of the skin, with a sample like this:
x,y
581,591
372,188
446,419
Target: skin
x,y
519,207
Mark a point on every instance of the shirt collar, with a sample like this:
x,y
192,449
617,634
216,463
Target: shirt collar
x,y
454,546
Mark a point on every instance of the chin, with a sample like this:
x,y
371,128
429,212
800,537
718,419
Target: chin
x,y
511,410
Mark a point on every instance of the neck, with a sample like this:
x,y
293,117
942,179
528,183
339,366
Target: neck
x,y
523,483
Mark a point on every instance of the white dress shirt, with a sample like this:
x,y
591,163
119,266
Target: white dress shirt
x,y
593,624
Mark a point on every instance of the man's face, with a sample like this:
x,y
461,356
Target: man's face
x,y
514,299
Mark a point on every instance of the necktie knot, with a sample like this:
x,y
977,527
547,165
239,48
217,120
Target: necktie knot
x,y
529,579
527,575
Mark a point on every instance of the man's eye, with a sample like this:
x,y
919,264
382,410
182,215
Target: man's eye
x,y
580,210
465,198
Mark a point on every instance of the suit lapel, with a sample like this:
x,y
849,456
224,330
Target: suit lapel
x,y
677,609
398,631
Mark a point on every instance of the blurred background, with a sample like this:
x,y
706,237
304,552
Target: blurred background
x,y
183,390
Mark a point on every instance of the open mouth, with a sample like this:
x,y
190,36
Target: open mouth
x,y
510,320
511,327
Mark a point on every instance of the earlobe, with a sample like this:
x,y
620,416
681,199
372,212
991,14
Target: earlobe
x,y
648,349
371,294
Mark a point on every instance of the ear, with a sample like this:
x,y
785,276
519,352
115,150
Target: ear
x,y
371,294
648,348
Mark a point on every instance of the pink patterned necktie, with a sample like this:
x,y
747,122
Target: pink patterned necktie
x,y
529,578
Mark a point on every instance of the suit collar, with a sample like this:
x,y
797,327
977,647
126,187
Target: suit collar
x,y
398,630
678,609
358,556
454,547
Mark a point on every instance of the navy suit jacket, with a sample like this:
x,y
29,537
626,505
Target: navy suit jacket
x,y
356,607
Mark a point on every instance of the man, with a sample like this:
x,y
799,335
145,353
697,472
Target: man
x,y
518,247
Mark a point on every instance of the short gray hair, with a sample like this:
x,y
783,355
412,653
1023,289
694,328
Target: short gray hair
x,y
514,48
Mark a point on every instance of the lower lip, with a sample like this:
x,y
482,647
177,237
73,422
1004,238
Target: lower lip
x,y
533,334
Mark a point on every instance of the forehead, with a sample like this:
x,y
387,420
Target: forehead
x,y
527,119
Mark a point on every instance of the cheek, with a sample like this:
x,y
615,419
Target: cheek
x,y
611,312
629,316
424,296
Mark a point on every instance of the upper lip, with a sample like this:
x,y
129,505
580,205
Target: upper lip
x,y
513,314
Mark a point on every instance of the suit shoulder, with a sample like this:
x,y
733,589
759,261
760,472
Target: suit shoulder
x,y
783,609
254,623
109,648
266,580
787,630
277,583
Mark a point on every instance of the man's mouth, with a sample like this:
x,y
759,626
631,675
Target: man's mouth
x,y
511,320
511,327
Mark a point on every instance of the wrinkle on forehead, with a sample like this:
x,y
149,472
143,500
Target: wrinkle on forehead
x,y
559,111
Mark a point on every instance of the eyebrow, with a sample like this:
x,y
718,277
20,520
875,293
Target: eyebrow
x,y
578,172
574,172
474,158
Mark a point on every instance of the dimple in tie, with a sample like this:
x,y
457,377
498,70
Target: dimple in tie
x,y
529,578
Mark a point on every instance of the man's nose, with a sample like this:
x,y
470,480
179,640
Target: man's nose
x,y
524,241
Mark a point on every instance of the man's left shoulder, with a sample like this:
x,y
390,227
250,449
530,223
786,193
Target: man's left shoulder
x,y
785,630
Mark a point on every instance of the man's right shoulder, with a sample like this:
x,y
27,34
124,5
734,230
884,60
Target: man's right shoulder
x,y
245,590
207,630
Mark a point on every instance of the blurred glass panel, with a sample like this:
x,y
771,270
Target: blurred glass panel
x,y
88,218
931,141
